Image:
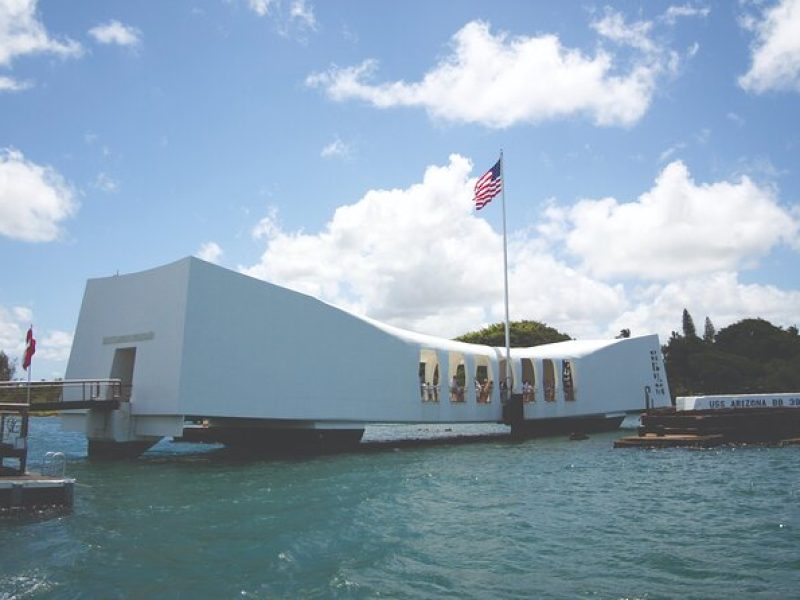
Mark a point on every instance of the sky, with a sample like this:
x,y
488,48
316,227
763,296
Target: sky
x,y
650,157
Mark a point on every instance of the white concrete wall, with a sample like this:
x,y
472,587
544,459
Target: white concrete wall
x,y
145,311
607,379
211,342
253,349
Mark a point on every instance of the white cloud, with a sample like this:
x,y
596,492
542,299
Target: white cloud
x,y
51,345
738,119
678,228
614,27
260,7
268,227
299,16
499,81
13,326
673,13
418,257
21,33
210,251
34,200
669,152
54,345
302,13
719,296
115,32
775,53
7,84
104,183
22,314
337,148
760,167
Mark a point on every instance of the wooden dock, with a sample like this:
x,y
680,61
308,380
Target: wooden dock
x,y
652,440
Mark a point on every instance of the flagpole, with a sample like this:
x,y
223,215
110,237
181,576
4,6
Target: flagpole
x,y
30,367
505,281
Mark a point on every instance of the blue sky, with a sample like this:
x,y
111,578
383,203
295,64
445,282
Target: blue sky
x,y
651,153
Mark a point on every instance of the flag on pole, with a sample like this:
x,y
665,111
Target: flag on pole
x,y
30,349
488,186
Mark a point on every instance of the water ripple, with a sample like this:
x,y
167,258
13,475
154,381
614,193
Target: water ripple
x,y
539,518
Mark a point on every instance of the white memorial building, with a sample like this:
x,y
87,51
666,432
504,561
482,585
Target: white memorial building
x,y
264,366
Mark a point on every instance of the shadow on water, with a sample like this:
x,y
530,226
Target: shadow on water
x,y
377,439
381,439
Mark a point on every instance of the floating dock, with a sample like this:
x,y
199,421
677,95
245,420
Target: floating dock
x,y
707,421
20,489
35,491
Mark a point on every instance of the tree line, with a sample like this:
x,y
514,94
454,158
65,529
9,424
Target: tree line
x,y
7,367
749,357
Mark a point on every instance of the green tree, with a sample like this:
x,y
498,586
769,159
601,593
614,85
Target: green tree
x,y
678,357
751,356
758,339
709,332
717,372
689,330
7,367
523,334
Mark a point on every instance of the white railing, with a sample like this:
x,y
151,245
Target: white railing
x,y
54,464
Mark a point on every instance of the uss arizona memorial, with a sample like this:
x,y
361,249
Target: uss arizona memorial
x,y
261,365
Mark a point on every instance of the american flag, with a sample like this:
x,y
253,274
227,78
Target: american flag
x,y
488,186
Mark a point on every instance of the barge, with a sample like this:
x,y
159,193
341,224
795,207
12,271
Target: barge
x,y
704,421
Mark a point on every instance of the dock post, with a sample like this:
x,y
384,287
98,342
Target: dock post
x,y
16,495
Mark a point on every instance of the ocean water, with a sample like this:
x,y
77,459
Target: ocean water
x,y
546,518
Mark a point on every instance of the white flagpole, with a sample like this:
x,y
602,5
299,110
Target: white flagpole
x,y
505,280
30,368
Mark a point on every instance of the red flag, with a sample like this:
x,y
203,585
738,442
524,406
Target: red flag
x,y
30,349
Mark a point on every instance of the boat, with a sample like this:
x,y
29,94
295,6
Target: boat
x,y
206,353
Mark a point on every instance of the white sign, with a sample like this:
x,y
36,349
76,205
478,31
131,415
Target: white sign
x,y
738,401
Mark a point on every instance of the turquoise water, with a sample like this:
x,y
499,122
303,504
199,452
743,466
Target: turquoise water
x,y
499,519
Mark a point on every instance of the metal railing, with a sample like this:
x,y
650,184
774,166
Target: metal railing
x,y
54,464
61,390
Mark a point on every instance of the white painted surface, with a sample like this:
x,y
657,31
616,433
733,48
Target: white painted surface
x,y
143,310
723,402
609,376
214,343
